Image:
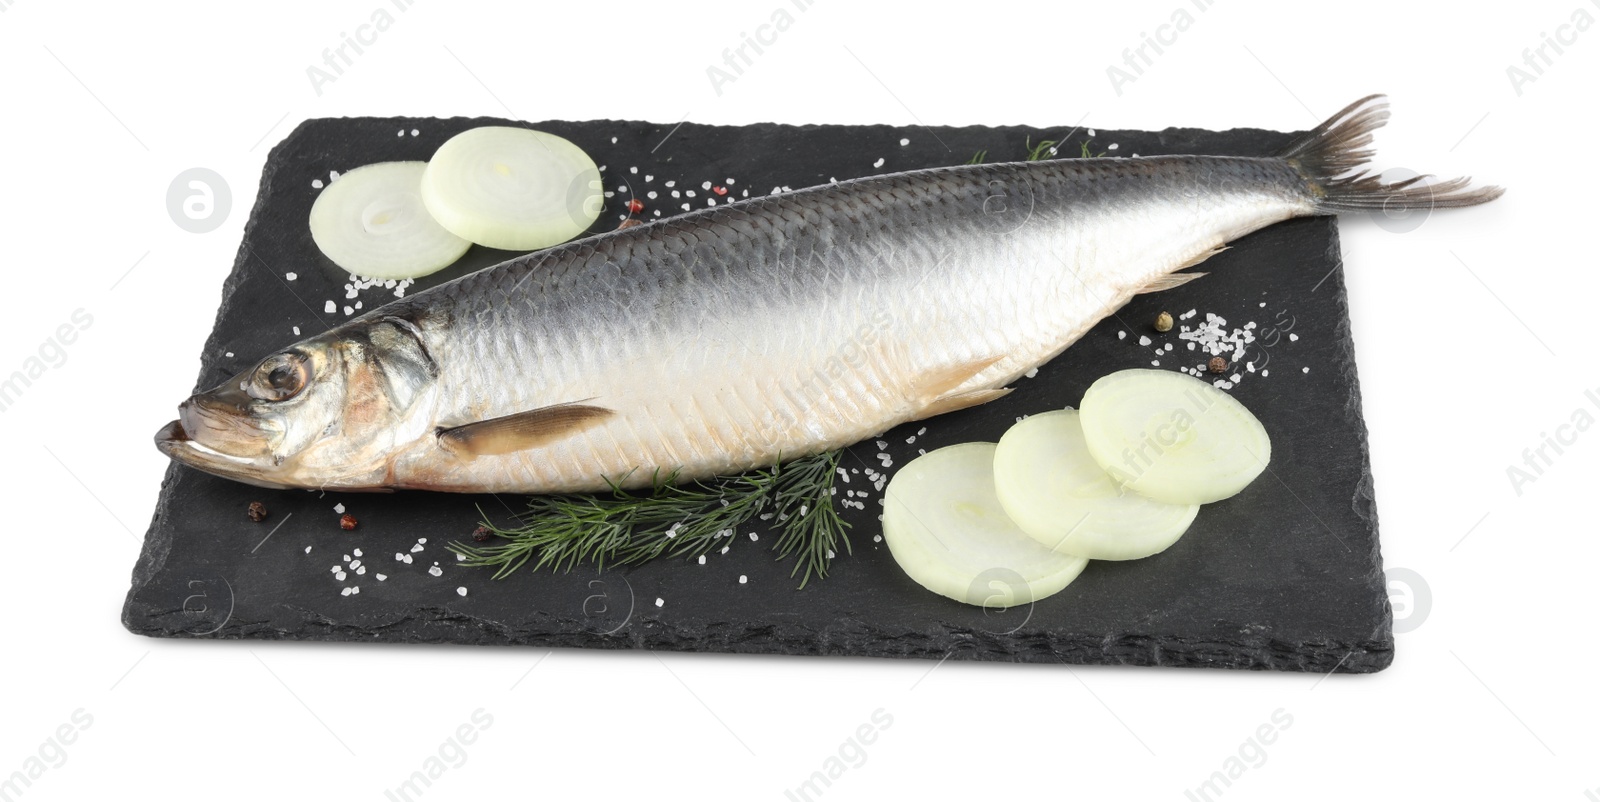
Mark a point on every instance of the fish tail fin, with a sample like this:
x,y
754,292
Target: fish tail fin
x,y
1333,159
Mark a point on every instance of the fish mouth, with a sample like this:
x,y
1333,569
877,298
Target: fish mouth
x,y
174,441
169,438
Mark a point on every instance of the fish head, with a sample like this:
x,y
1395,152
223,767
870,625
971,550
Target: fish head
x,y
330,412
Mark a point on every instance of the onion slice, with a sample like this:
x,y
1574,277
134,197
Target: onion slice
x,y
512,188
946,529
1056,493
372,222
1172,437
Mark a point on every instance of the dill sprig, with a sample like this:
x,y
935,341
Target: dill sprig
x,y
1044,150
674,520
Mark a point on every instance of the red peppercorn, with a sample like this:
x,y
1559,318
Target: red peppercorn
x,y
256,511
1217,365
482,534
347,522
720,190
635,205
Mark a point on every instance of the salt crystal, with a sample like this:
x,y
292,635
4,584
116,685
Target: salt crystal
x,y
357,552
633,170
878,163
416,548
349,310
688,193
340,576
329,308
671,184
382,577
297,331
339,508
461,591
316,183
613,141
414,132
1143,340
1122,335
702,559
362,571
405,558
308,549
651,194
1294,338
743,579
354,590
753,536
1305,370
345,592
648,178
291,276
904,142
436,571
355,563
1112,146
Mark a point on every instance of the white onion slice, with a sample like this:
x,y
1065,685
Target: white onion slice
x,y
1056,493
947,531
1172,437
371,222
512,188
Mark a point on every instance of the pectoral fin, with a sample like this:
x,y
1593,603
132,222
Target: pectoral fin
x,y
522,431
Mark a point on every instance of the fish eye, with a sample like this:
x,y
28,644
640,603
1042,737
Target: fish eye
x,y
279,377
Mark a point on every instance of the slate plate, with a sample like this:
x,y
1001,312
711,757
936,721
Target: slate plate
x,y
1285,576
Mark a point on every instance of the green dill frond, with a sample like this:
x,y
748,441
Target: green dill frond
x,y
1085,154
672,520
977,158
1044,150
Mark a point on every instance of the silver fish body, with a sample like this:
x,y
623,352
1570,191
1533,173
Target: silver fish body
x,y
732,337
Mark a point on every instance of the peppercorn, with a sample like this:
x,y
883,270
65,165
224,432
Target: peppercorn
x,y
482,534
635,205
257,511
1164,321
1218,365
347,522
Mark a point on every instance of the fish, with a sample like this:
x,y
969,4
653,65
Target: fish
x,y
741,335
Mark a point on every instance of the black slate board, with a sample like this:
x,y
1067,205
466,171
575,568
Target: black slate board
x,y
1285,576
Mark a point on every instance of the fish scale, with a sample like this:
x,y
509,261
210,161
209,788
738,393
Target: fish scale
x,y
738,335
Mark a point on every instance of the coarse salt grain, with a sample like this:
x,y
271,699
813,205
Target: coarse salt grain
x,y
436,571
743,579
660,602
461,591
904,142
878,163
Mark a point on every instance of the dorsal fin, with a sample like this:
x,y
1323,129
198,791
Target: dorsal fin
x,y
520,431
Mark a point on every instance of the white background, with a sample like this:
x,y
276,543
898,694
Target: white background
x,y
1475,336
